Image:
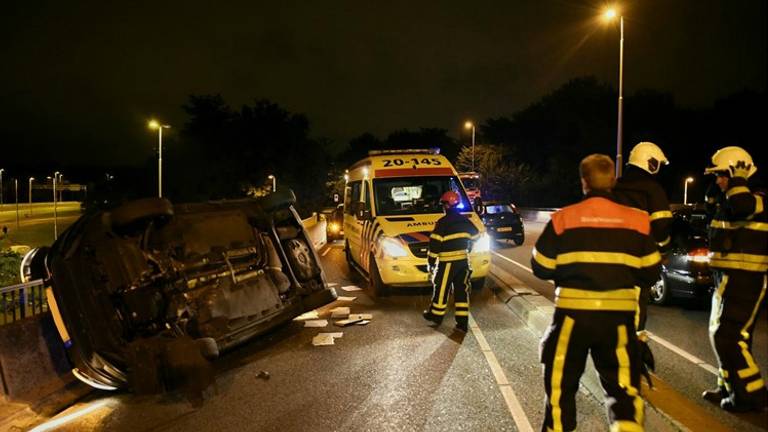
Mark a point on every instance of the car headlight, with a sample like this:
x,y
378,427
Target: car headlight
x,y
334,227
392,248
483,244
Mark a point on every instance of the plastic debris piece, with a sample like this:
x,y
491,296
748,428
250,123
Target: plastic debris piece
x,y
363,322
322,339
307,316
346,299
351,288
360,317
315,323
346,322
340,312
263,375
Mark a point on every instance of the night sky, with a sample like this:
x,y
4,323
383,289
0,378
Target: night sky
x,y
81,78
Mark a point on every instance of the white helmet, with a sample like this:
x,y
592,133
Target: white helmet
x,y
731,156
647,156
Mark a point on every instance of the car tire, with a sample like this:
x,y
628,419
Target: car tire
x,y
478,284
278,200
135,212
519,240
378,287
660,294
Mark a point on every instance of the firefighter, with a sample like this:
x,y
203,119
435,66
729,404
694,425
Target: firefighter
x,y
597,252
739,247
449,246
639,188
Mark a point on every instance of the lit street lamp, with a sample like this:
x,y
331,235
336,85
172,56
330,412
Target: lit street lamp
x,y
31,179
154,124
609,15
274,182
55,213
469,125
685,190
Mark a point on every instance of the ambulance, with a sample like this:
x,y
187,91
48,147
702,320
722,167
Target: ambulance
x,y
391,204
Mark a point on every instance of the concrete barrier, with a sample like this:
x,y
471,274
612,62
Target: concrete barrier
x,y
536,214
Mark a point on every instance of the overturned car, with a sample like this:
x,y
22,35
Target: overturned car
x,y
150,291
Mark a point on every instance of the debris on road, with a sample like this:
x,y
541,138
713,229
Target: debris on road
x,y
340,312
263,375
326,338
311,315
346,299
361,317
351,288
331,285
363,322
346,322
315,323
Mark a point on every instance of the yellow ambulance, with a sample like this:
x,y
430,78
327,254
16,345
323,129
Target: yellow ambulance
x,y
391,204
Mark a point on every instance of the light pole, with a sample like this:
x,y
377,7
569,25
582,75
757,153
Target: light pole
x,y
274,182
154,124
31,179
16,189
469,125
685,190
1,185
610,15
55,213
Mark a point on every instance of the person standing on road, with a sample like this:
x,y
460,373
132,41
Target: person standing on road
x,y
449,246
739,247
597,252
639,188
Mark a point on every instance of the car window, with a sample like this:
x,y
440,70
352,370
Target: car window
x,y
498,208
351,197
415,195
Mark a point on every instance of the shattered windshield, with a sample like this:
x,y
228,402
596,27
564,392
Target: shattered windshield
x,y
415,195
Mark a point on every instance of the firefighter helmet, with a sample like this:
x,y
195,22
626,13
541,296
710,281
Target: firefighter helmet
x,y
450,199
730,159
647,156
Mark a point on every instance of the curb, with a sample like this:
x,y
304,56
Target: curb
x,y
536,312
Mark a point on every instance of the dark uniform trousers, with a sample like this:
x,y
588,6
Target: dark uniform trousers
x,y
609,337
735,306
452,276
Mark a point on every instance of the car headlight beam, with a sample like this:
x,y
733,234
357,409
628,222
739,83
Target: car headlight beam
x,y
392,248
482,244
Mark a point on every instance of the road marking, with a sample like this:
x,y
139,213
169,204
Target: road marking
x,y
513,262
513,404
327,249
661,341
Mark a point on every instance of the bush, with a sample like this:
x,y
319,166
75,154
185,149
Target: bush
x,y
10,262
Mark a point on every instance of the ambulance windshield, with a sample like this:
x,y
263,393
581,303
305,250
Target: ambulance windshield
x,y
415,195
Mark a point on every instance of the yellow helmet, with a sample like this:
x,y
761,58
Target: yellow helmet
x,y
647,156
731,157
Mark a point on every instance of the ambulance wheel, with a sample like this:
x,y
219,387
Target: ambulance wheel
x,y
378,287
478,284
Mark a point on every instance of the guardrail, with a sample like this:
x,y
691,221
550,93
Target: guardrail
x,y
536,214
22,300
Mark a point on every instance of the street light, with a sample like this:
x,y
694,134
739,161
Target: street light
x,y
55,213
609,15
31,179
274,182
469,125
685,190
154,124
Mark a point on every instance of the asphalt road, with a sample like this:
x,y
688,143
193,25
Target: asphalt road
x,y
399,374
680,330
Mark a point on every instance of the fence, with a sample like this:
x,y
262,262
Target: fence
x,y
21,301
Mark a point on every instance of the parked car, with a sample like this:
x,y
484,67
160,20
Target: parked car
x,y
503,221
686,274
149,291
334,218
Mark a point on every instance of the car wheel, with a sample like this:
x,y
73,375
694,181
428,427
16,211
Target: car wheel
x,y
478,284
135,212
660,292
377,285
277,200
301,260
519,240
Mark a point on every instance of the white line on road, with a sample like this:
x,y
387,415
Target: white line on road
x,y
513,404
513,262
327,249
661,341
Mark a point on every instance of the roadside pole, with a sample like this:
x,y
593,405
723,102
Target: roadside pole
x,y
16,189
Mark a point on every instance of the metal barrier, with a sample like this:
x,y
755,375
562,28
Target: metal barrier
x,y
21,301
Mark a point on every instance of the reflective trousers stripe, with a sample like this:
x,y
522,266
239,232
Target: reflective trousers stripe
x,y
557,372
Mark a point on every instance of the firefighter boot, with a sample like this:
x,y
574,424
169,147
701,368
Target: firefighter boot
x,y
715,395
429,316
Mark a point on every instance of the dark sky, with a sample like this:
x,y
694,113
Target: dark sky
x,y
80,78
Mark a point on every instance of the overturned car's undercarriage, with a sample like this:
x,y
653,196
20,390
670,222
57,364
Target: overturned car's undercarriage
x,y
147,293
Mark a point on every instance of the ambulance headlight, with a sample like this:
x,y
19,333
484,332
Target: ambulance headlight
x,y
483,244
392,248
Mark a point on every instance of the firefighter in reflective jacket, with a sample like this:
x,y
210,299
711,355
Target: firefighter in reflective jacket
x,y
598,253
449,246
639,188
739,257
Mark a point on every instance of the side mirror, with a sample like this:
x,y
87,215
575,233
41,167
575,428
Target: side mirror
x,y
364,214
